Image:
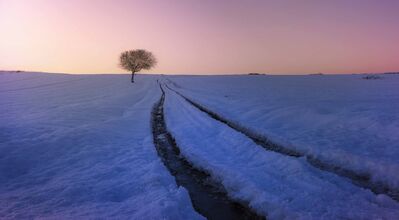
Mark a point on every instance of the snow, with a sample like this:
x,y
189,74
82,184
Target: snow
x,y
276,186
80,146
341,119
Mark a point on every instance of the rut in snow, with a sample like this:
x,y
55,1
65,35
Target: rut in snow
x,y
208,197
362,180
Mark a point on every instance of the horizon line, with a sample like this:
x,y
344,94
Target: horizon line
x,y
199,74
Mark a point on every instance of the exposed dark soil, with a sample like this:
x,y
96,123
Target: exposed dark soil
x,y
207,196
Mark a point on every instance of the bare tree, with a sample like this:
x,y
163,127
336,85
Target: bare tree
x,y
136,60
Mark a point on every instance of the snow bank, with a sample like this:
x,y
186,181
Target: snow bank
x,y
344,120
80,146
278,186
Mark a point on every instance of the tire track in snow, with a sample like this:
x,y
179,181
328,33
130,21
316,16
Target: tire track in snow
x,y
362,180
208,197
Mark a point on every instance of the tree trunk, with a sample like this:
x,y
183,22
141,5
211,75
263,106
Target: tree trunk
x,y
132,77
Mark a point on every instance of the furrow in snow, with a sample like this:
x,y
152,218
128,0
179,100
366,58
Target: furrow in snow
x,y
208,196
276,185
360,179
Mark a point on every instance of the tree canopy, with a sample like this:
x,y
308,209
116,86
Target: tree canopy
x,y
136,60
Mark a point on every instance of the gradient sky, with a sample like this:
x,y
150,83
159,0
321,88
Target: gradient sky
x,y
201,36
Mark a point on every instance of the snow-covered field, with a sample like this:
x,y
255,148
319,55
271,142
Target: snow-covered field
x,y
342,119
80,146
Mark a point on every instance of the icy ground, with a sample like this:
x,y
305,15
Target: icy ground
x,y
345,120
80,146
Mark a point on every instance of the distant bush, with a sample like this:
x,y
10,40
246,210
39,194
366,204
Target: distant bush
x,y
11,71
256,74
372,77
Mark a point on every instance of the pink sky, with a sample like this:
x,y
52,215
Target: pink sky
x,y
201,36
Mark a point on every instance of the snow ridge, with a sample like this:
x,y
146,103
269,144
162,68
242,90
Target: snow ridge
x,y
208,196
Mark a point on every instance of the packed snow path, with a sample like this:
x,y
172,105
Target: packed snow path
x,y
362,180
208,196
275,185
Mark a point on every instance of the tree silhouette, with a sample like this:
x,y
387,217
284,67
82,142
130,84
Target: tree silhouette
x,y
136,60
